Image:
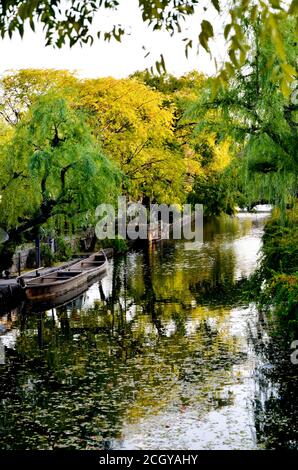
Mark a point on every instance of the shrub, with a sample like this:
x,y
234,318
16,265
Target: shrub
x,y
63,250
46,255
31,259
279,266
280,244
119,244
283,292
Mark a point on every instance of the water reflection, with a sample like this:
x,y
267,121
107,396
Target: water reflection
x,y
158,354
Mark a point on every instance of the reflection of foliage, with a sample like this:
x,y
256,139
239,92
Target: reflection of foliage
x,y
275,404
81,380
149,345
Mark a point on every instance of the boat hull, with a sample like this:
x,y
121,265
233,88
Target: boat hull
x,y
59,300
48,292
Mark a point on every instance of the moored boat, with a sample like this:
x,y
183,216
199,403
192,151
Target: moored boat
x,y
93,265
63,281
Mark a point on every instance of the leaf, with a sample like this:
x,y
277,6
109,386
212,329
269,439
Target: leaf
x,y
21,30
233,58
288,69
188,46
216,5
32,24
229,68
206,34
293,10
285,88
253,13
275,4
227,30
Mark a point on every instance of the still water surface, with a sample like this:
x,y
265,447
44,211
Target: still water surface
x,y
162,353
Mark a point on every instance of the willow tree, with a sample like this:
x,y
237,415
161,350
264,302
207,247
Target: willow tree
x,y
51,166
254,111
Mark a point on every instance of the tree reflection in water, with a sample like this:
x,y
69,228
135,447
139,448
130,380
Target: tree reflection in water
x,y
155,340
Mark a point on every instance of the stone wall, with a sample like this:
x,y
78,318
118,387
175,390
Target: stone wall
x,y
20,259
80,242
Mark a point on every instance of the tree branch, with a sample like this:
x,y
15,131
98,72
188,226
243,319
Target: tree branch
x,y
14,177
63,172
145,165
136,152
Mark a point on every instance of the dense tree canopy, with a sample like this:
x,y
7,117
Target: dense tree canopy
x,y
136,121
68,144
202,153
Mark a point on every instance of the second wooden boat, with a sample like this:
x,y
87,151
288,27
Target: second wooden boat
x,y
93,265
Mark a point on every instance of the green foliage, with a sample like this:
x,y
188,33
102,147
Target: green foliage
x,y
202,153
260,120
31,259
52,167
282,290
216,192
46,255
72,22
118,244
170,84
278,267
63,250
280,249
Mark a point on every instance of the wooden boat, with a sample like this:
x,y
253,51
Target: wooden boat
x,y
60,300
93,265
37,272
63,281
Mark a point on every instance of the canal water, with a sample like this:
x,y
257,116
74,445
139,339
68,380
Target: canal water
x,y
161,353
